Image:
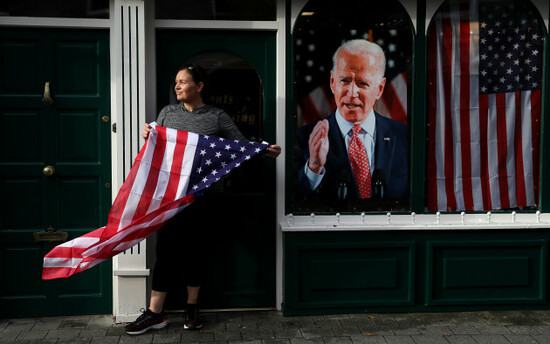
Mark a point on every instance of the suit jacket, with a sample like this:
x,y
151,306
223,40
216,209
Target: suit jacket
x,y
390,154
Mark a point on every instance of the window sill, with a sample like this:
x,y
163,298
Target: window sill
x,y
463,221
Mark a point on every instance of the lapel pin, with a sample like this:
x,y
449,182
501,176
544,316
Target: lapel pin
x,y
387,139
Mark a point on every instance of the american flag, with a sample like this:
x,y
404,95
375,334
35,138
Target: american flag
x,y
316,40
484,106
172,169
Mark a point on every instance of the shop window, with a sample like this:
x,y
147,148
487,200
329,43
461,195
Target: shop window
x,y
216,10
484,106
320,29
55,8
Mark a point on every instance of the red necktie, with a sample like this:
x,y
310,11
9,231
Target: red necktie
x,y
360,163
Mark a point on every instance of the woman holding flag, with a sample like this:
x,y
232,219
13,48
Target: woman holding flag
x,y
192,115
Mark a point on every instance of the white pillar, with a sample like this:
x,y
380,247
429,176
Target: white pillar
x,y
128,115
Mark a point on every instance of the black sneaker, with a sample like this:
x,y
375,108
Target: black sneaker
x,y
192,319
148,320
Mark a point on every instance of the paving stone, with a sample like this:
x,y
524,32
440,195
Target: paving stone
x,y
275,341
346,331
19,325
93,333
492,329
461,339
228,336
338,340
105,340
430,339
74,341
47,324
542,339
246,342
406,331
490,339
32,335
163,338
368,339
399,339
141,339
288,333
464,330
434,329
73,333
521,338
523,329
316,332
9,337
307,341
327,323
68,324
257,334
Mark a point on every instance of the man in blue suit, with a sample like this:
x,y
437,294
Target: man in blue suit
x,y
326,172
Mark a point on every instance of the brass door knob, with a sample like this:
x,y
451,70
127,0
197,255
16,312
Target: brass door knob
x,y
48,171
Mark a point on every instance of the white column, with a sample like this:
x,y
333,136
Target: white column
x,y
128,115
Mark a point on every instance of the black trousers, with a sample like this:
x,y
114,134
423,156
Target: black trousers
x,y
182,256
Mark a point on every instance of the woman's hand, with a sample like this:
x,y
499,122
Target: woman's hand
x,y
273,151
146,130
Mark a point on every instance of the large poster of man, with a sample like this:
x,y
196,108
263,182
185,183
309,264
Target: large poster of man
x,y
352,135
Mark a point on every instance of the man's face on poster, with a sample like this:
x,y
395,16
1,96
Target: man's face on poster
x,y
356,84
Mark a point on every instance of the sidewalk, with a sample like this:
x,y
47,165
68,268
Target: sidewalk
x,y
272,328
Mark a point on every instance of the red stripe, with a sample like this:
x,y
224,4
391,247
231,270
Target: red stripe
x,y
393,103
51,273
432,104
502,144
447,72
152,178
466,154
521,197
329,98
536,111
175,172
117,209
309,110
483,151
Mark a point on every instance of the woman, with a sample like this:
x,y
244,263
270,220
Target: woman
x,y
193,115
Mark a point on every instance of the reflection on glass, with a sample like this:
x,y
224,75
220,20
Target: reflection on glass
x,y
216,9
55,8
321,28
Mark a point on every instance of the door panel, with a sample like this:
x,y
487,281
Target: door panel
x,y
68,135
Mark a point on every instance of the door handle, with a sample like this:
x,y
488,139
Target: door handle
x,y
50,235
47,99
48,171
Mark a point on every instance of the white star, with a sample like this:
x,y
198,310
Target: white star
x,y
212,145
483,89
221,139
214,172
199,170
258,150
204,180
227,147
247,157
203,152
535,52
509,71
195,187
233,156
208,162
224,164
218,154
242,149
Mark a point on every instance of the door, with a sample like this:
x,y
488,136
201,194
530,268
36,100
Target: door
x,y
54,166
241,68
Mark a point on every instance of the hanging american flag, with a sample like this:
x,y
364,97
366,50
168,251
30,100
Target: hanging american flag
x,y
316,40
172,169
484,106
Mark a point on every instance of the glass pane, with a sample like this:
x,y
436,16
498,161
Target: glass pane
x,y
321,28
216,9
55,8
484,104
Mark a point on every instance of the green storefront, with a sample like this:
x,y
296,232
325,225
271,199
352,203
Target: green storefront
x,y
470,232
